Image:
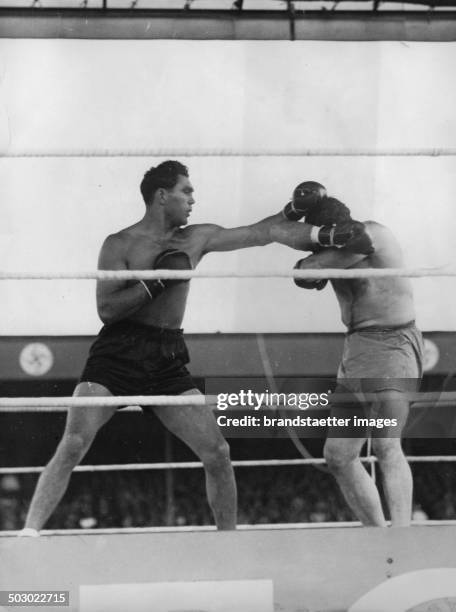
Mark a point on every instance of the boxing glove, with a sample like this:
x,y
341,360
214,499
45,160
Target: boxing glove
x,y
171,259
360,242
305,283
350,234
305,196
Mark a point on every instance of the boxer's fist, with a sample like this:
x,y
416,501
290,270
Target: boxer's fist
x,y
171,259
316,283
333,235
305,196
360,242
309,283
350,234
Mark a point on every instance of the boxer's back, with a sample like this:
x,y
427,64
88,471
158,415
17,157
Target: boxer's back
x,y
385,302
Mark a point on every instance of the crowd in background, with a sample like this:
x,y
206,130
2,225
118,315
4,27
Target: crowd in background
x,y
161,498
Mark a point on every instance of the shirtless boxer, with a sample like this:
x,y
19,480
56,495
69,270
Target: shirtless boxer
x,y
141,350
382,356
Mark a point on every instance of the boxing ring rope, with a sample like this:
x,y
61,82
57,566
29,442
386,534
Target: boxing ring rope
x,y
133,403
104,275
233,152
58,405
191,465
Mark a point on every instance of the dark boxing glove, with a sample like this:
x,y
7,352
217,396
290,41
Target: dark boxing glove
x,y
360,242
305,196
332,235
303,283
350,234
171,259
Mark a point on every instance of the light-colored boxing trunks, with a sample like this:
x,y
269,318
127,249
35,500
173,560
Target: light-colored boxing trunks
x,y
376,359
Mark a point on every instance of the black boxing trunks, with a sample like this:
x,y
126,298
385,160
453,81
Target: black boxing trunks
x,y
129,358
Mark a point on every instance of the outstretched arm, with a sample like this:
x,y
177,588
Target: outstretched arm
x,y
271,229
299,236
284,229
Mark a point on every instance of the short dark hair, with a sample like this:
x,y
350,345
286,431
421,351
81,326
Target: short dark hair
x,y
164,175
328,211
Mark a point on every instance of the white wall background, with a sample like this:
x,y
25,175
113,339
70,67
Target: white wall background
x,y
63,94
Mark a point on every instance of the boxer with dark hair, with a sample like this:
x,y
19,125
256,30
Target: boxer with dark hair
x,y
141,349
382,357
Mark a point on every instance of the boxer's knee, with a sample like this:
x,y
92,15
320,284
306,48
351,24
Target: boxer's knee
x,y
215,456
387,450
339,455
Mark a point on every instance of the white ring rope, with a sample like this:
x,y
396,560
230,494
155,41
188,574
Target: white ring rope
x,y
6,408
189,274
182,465
103,402
133,403
234,152
55,404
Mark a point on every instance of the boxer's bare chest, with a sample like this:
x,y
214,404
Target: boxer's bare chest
x,y
142,250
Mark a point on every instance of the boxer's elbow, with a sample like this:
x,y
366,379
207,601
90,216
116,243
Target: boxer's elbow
x,y
105,317
106,312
